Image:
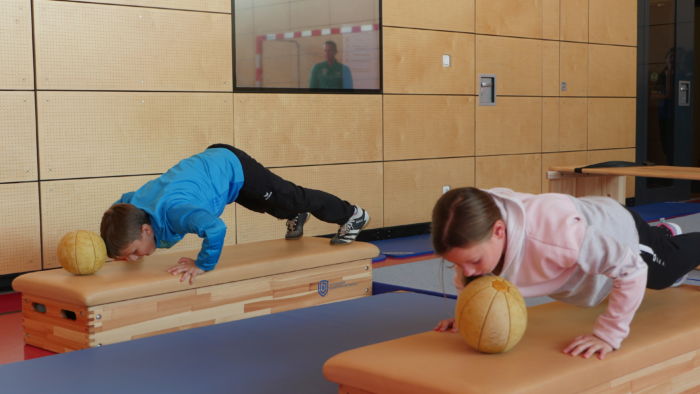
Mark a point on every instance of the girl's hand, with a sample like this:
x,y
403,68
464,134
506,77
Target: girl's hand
x,y
446,325
588,345
186,269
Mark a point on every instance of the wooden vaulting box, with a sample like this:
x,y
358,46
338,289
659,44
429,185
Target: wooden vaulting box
x,y
129,300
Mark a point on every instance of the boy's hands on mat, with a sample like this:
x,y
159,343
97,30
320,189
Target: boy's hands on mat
x,y
446,325
186,269
587,346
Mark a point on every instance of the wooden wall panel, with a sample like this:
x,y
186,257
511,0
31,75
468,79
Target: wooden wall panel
x,y
420,126
516,62
550,19
411,188
513,125
353,12
550,160
413,62
519,18
271,17
16,59
79,205
302,129
550,124
193,5
451,15
550,68
574,20
359,184
611,123
573,123
612,71
19,229
18,159
574,59
309,13
613,22
599,156
89,134
518,172
75,48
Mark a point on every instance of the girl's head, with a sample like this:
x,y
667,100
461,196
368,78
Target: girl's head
x,y
468,230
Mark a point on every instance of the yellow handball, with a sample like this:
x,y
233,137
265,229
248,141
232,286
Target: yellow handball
x,y
491,314
82,252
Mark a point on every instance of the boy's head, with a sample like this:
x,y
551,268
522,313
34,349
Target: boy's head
x,y
468,230
127,232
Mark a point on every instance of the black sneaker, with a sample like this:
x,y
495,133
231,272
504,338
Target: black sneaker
x,y
295,226
671,229
349,231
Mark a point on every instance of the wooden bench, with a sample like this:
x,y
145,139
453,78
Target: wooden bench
x,y
610,181
129,300
662,354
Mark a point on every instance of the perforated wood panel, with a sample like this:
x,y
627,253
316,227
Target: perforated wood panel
x,y
574,72
301,129
550,19
550,68
520,18
343,11
517,172
195,5
574,20
560,159
612,123
412,187
18,160
19,228
452,15
613,22
599,156
516,62
413,62
420,126
612,71
157,49
16,59
79,205
88,134
550,124
359,184
513,125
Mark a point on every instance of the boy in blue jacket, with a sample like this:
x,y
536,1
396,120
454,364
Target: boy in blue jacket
x,y
190,197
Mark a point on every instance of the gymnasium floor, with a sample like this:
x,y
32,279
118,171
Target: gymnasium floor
x,y
424,274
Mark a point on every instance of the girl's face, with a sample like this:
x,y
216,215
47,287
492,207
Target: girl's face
x,y
483,257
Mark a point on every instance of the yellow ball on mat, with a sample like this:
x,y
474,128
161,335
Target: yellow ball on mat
x,y
491,314
82,252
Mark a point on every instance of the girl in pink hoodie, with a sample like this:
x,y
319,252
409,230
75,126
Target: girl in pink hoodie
x,y
576,250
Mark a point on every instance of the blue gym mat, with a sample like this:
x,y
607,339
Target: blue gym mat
x,y
667,210
405,247
280,353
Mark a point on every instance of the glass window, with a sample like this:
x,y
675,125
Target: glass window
x,y
316,45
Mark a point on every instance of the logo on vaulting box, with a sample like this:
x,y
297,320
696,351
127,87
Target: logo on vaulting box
x,y
322,287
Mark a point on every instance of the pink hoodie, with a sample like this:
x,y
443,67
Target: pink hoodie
x,y
576,250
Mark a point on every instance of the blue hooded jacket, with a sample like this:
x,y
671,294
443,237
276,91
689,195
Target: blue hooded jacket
x,y
189,198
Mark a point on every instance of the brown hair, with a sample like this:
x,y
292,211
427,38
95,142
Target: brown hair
x,y
461,217
121,225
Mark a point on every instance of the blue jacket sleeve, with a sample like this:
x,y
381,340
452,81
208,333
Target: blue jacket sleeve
x,y
185,219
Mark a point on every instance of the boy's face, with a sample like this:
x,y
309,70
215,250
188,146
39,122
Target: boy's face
x,y
483,257
144,246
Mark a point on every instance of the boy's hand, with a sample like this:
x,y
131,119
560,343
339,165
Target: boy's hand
x,y
446,325
186,269
588,345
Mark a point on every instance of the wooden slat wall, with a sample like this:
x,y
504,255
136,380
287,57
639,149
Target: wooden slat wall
x,y
126,88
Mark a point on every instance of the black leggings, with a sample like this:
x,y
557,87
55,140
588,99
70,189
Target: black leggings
x,y
673,257
265,192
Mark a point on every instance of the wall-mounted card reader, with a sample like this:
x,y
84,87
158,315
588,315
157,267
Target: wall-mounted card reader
x,y
683,93
487,89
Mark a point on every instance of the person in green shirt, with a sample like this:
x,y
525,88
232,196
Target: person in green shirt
x,y
330,74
